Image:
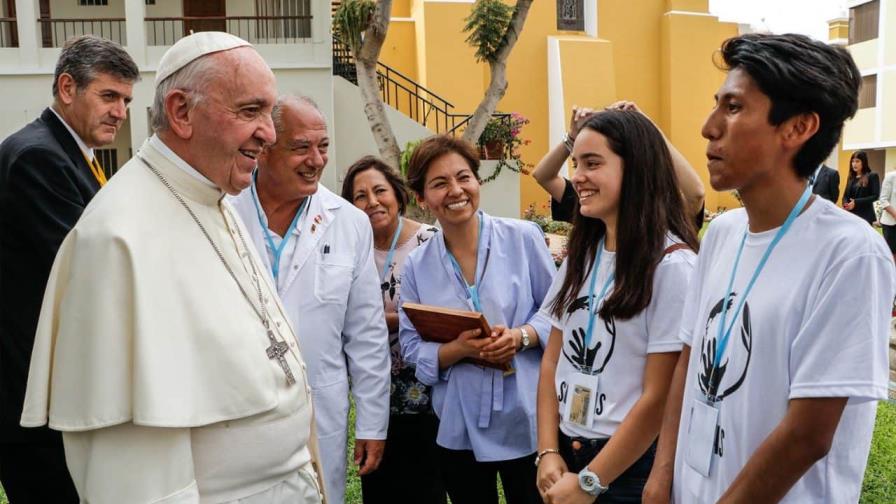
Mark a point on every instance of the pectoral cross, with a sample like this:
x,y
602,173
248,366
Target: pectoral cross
x,y
277,350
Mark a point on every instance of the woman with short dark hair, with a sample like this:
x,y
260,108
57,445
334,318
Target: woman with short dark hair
x,y
501,268
374,187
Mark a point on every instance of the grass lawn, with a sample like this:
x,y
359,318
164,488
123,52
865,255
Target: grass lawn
x,y
879,486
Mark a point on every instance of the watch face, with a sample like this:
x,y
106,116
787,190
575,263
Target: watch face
x,y
588,480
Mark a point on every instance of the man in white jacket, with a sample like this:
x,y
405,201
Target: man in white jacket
x,y
318,251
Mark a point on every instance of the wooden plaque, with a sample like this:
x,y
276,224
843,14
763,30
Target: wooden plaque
x,y
442,325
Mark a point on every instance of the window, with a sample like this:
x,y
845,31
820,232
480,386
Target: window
x,y
108,159
93,2
868,92
863,22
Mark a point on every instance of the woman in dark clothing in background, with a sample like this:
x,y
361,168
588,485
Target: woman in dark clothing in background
x,y
862,187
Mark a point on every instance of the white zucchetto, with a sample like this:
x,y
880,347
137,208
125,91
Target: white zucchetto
x,y
194,46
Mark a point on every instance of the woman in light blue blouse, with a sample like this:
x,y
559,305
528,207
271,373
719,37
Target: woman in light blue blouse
x,y
502,268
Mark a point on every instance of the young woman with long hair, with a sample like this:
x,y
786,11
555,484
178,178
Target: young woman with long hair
x,y
615,305
862,187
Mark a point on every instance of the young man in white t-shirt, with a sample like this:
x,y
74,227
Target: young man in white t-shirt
x,y
777,400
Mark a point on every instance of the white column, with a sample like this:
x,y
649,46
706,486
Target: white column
x,y
591,18
134,16
29,35
320,21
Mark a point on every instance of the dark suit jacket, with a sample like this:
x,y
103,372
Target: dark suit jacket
x,y
863,196
45,183
827,184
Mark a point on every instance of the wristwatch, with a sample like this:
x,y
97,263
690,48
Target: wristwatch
x,y
524,339
568,142
590,483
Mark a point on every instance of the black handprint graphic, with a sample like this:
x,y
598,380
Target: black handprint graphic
x,y
582,358
710,382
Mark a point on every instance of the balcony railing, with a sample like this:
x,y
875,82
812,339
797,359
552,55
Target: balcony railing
x,y
9,35
164,31
406,95
54,32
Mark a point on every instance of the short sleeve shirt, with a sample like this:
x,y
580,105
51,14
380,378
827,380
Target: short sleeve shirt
x,y
816,324
618,349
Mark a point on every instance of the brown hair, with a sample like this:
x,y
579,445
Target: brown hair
x,y
374,163
642,224
433,148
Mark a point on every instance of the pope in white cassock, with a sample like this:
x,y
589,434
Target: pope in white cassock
x,y
318,250
162,352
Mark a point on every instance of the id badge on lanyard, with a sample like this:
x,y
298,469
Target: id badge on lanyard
x,y
580,405
703,419
585,386
703,422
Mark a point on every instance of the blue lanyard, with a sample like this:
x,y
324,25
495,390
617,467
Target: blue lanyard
x,y
815,175
472,289
277,250
594,303
722,338
391,255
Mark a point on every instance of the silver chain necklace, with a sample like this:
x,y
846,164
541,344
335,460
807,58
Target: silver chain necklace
x,y
277,350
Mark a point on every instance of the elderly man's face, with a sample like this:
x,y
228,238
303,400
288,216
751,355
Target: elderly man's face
x,y
232,123
298,158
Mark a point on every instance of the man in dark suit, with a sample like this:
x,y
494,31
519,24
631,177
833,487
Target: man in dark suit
x,y
826,183
48,174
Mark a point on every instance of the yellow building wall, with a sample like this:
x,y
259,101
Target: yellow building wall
x,y
687,5
838,29
843,169
689,79
593,85
634,29
399,53
661,61
445,63
400,48
527,92
401,8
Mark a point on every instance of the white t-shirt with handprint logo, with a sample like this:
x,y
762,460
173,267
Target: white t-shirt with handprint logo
x,y
618,349
815,324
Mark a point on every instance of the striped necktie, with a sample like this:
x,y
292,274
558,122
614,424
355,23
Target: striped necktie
x,y
97,170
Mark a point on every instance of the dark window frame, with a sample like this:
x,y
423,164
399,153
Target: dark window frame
x,y
864,22
868,92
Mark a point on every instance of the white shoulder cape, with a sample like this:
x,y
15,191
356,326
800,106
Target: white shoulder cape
x,y
141,322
